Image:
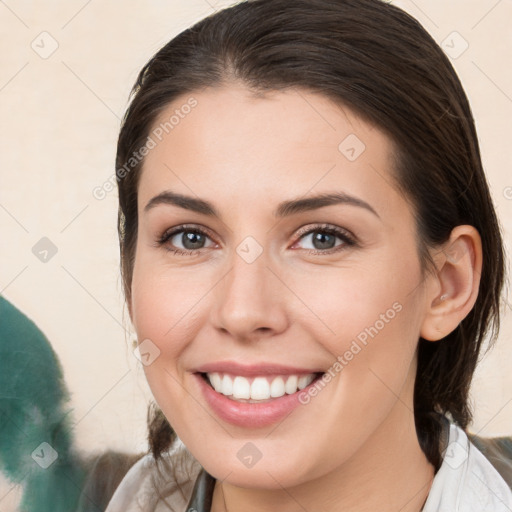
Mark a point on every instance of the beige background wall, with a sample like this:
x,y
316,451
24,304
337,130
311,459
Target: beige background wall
x,y
59,116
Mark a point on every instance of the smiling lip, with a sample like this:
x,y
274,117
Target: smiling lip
x,y
251,415
254,370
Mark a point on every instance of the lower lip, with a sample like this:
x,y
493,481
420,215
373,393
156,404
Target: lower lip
x,y
250,415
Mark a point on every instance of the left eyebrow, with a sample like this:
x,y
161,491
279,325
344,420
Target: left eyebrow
x,y
294,206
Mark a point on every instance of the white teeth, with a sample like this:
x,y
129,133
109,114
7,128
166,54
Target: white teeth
x,y
277,387
241,388
261,388
291,384
216,381
305,380
227,385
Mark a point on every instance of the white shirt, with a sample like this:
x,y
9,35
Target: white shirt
x,y
465,482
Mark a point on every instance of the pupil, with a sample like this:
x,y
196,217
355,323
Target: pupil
x,y
323,240
192,240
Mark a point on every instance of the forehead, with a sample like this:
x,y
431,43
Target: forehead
x,y
227,143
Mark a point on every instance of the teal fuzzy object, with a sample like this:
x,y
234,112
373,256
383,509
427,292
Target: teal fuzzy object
x,y
34,410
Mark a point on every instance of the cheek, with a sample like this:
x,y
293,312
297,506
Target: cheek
x,y
166,307
165,301
166,304
368,319
360,301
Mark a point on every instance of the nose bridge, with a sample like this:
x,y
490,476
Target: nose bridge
x,y
248,301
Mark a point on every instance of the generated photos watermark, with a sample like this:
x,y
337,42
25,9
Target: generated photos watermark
x,y
356,346
156,136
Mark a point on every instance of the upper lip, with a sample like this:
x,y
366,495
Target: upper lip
x,y
253,370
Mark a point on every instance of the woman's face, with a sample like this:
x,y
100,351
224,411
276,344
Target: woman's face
x,y
276,285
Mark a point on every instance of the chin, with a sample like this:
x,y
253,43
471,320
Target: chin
x,y
266,477
274,473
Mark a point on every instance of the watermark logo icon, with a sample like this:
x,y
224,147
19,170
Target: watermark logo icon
x,y
351,147
455,252
44,250
454,45
249,455
45,455
45,45
249,249
146,352
456,454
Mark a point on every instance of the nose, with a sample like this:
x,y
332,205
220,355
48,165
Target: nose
x,y
249,302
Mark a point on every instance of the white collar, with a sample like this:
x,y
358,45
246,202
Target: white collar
x,y
466,480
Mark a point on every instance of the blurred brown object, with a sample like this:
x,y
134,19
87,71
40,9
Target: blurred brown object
x,y
104,473
498,451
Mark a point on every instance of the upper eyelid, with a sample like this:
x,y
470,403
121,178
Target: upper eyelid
x,y
311,228
186,227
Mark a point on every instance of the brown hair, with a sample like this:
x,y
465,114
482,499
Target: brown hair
x,y
379,61
103,473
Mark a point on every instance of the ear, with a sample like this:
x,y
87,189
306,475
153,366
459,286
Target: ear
x,y
454,288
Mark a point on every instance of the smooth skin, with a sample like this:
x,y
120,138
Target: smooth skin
x,y
353,447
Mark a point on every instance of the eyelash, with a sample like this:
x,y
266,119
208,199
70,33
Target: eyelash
x,y
347,238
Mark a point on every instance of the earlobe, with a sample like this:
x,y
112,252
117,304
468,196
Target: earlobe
x,y
456,283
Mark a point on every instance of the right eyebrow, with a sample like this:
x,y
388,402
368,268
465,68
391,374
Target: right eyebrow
x,y
182,201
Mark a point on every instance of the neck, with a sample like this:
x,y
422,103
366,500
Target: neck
x,y
389,472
